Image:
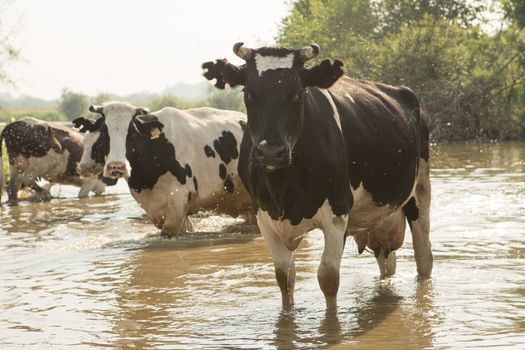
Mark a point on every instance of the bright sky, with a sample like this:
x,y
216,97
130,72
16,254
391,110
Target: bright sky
x,y
125,46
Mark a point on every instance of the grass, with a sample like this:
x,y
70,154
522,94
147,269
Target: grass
x,y
50,114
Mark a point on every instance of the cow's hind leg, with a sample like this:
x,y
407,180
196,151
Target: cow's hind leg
x,y
283,260
14,185
417,211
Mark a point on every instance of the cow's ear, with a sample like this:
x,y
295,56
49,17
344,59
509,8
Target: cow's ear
x,y
141,111
85,125
96,109
323,75
224,73
149,125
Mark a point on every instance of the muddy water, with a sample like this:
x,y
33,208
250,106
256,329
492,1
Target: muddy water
x,y
92,273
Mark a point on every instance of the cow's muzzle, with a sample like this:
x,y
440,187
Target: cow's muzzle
x,y
115,170
271,156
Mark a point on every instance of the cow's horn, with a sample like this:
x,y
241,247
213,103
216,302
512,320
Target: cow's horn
x,y
241,51
95,109
310,52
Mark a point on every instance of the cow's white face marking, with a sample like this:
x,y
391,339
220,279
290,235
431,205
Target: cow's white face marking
x,y
118,116
264,63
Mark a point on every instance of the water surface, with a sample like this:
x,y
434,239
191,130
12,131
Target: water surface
x,y
93,273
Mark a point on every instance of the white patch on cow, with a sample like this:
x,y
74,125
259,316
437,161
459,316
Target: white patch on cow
x,y
291,235
334,108
347,95
264,63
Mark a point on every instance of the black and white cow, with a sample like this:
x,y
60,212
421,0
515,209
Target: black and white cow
x,y
39,149
322,150
177,162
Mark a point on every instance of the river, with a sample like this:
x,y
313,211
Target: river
x,y
93,273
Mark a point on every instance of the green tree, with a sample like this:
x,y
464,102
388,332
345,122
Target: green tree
x,y
73,104
170,101
467,75
102,97
231,99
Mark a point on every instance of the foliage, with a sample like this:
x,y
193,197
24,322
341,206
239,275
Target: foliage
x,y
231,99
468,75
170,101
73,104
8,115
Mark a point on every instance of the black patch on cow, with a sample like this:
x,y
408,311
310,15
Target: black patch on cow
x,y
195,184
228,185
226,146
30,138
188,170
209,152
382,140
411,211
189,196
100,148
151,158
222,171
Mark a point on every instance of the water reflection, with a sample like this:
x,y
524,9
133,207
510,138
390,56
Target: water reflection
x,y
30,217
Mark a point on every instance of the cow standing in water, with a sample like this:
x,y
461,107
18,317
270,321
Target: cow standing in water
x,y
176,162
38,149
322,150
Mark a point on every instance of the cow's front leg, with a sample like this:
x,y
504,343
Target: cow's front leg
x,y
89,184
328,273
282,257
175,216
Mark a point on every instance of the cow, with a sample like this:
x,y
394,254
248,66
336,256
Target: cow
x,y
323,150
49,150
177,162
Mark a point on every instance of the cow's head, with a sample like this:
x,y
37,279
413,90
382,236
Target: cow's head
x,y
105,144
275,81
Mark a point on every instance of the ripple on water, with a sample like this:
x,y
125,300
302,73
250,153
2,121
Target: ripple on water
x,y
93,273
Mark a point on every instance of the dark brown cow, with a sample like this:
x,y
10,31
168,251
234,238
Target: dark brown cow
x,y
48,150
322,150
